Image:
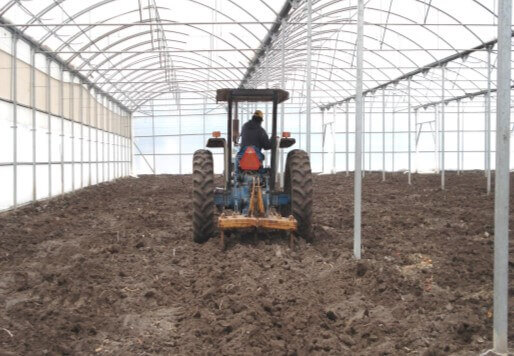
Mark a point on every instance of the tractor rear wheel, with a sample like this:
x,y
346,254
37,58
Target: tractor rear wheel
x,y
298,185
203,196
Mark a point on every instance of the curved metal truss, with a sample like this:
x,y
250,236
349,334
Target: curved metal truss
x,y
136,50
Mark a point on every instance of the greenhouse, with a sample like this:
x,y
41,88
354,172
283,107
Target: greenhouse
x,y
256,177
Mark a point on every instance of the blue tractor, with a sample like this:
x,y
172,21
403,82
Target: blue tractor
x,y
251,199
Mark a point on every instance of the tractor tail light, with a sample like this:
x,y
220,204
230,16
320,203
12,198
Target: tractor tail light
x,y
286,134
216,134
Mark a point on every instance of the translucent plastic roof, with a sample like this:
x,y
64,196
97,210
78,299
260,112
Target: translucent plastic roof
x,y
137,50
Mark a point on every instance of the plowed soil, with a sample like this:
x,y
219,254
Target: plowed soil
x,y
112,269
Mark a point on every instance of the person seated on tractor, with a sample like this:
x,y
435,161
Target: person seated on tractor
x,y
253,134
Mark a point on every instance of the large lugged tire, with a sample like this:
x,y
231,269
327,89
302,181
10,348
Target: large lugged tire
x,y
203,196
298,184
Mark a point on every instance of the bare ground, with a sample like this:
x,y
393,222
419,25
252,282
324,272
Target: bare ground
x,y
112,269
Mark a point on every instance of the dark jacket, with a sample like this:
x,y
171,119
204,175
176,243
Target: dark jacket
x,y
253,134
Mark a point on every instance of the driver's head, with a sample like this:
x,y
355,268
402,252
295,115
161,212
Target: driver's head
x,y
258,116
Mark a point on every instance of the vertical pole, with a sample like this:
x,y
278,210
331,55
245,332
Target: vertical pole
x,y
363,136
487,152
393,128
14,88
358,134
334,170
347,138
383,135
203,121
274,142
409,129
153,137
81,116
370,127
107,145
228,158
443,104
131,151
502,186
437,140
309,75
282,85
462,139
72,122
61,113
92,117
458,137
416,138
98,126
179,137
34,127
48,103
323,141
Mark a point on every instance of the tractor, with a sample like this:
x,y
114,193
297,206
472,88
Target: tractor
x,y
250,199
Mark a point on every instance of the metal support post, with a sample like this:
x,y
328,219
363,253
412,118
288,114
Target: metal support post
x,y
370,127
14,88
487,151
309,76
393,129
416,169
72,122
409,129
179,138
383,135
358,134
153,137
323,141
282,85
443,146
48,104
334,169
34,126
458,138
347,138
502,186
61,113
81,118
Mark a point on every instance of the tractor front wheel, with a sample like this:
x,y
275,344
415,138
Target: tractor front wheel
x,y
298,185
203,196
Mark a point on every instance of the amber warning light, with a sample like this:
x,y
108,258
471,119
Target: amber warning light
x,y
286,134
216,134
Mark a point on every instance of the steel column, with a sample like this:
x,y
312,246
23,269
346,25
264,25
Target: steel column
x,y
458,138
309,76
487,150
153,139
72,122
502,186
14,88
383,135
443,146
358,134
347,138
48,104
393,128
323,141
334,169
409,179
34,127
81,118
282,85
61,113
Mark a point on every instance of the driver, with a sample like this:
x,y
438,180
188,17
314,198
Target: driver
x,y
253,134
